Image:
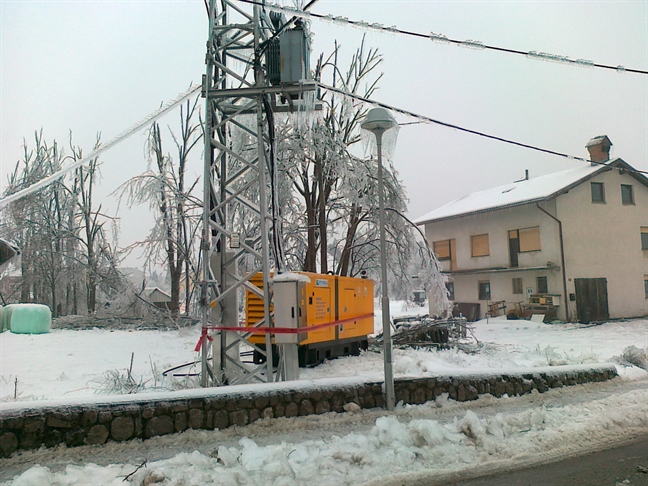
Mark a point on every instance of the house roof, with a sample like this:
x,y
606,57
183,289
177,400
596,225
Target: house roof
x,y
151,291
7,253
533,190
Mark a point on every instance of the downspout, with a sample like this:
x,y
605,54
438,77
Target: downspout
x,y
562,259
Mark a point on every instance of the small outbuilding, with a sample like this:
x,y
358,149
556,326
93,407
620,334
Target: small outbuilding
x,y
158,297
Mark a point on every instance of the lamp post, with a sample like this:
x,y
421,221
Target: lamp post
x,y
378,121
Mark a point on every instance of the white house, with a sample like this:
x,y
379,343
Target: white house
x,y
572,244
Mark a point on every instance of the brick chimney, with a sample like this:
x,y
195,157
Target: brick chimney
x,y
599,149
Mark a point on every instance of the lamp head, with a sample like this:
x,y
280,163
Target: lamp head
x,y
378,120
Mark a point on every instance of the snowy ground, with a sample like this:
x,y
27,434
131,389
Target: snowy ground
x,y
84,363
427,444
432,442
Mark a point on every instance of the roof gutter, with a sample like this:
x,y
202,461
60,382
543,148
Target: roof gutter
x,y
481,271
562,259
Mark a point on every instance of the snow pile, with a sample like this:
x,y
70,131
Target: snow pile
x,y
636,357
423,441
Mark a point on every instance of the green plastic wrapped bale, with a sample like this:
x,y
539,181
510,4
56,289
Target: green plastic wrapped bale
x,y
2,327
30,319
6,316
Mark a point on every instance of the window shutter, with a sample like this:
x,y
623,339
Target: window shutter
x,y
480,245
530,239
442,249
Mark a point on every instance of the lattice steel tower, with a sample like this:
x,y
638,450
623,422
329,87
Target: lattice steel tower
x,y
244,85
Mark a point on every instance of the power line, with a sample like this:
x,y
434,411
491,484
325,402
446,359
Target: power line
x,y
442,39
167,107
426,119
265,43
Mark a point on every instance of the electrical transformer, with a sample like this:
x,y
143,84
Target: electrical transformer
x,y
294,53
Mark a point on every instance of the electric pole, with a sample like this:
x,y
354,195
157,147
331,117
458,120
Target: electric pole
x,y
244,81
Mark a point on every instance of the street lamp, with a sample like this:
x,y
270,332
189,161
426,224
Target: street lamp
x,y
378,121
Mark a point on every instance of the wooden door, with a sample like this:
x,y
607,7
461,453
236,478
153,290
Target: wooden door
x,y
591,299
514,247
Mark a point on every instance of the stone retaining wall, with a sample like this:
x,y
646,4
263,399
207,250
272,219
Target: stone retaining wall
x,y
122,418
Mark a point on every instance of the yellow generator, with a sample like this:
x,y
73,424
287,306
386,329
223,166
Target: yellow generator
x,y
339,308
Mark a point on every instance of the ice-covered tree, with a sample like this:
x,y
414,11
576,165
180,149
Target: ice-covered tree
x,y
326,181
37,224
65,253
177,212
88,228
329,194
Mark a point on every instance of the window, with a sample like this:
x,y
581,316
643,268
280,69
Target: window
x,y
517,286
627,194
442,249
598,192
479,245
646,285
542,285
445,250
484,290
529,239
523,240
644,237
450,288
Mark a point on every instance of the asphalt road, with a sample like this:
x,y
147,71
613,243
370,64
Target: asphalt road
x,y
625,465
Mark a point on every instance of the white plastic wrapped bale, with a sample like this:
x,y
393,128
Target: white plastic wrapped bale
x,y
30,319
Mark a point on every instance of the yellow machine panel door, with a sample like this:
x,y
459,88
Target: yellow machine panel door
x,y
320,301
355,300
348,307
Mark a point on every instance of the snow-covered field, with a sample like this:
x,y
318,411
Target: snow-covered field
x,y
73,363
432,442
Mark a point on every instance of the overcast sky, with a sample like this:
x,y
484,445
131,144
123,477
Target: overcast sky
x,y
100,66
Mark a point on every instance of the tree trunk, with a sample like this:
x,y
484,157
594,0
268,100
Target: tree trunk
x,y
91,289
75,299
310,259
24,285
321,219
352,228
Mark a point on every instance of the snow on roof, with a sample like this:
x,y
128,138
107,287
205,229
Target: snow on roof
x,y
512,194
150,291
597,140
